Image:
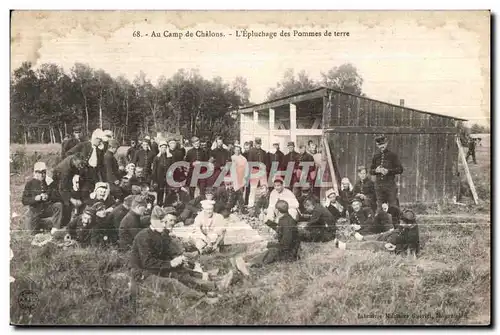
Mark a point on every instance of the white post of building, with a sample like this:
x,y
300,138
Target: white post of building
x,y
255,124
293,123
271,128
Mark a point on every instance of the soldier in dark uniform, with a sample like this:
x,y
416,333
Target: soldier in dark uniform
x,y
70,143
246,150
471,144
220,157
304,156
256,155
144,159
131,151
194,156
276,155
385,166
361,216
161,163
154,146
94,158
112,173
365,189
292,156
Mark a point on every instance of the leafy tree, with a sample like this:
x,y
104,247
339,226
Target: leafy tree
x,y
290,85
344,78
479,129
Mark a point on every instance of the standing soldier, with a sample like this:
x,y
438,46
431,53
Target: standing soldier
x,y
143,159
112,173
256,155
275,155
385,166
194,156
292,156
304,156
131,151
159,176
220,157
471,143
154,146
70,143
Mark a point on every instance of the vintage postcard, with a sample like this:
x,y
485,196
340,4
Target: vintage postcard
x,y
250,168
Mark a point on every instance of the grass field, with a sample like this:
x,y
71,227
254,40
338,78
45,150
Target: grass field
x,y
448,284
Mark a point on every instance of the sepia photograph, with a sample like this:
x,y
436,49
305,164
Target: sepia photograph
x,y
250,168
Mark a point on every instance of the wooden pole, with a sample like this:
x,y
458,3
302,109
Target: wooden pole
x,y
330,164
467,172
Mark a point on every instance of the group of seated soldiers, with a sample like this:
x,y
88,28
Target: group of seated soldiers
x,y
105,207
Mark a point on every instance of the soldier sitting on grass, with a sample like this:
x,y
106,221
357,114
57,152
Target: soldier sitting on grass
x,y
209,229
45,209
116,217
333,204
361,217
193,207
102,193
128,180
131,223
287,247
404,238
86,228
154,253
321,225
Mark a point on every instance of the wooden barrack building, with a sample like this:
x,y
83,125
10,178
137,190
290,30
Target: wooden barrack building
x,y
345,126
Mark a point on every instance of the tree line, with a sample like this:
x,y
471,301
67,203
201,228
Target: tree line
x,y
47,102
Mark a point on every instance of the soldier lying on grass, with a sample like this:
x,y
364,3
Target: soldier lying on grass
x,y
156,253
287,247
404,238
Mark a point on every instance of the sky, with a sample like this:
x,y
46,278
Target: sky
x,y
437,62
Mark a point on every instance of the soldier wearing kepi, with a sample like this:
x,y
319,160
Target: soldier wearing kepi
x,y
385,166
257,155
70,143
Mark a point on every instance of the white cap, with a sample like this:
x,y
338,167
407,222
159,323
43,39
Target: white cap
x,y
107,135
330,191
207,204
98,133
40,166
100,184
162,142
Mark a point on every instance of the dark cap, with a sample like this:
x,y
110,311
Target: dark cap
x,y
291,144
77,129
209,190
113,144
276,144
380,139
258,140
157,213
408,216
194,139
356,199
